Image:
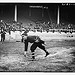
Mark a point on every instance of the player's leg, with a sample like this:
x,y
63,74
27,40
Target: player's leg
x,y
43,48
33,47
22,39
3,37
25,47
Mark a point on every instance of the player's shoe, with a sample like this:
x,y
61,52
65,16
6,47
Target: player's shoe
x,y
46,54
33,56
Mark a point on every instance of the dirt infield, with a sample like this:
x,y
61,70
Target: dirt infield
x,y
61,58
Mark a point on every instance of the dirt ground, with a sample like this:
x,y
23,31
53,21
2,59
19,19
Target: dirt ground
x,y
61,58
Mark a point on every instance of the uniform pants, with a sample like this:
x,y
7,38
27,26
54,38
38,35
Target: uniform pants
x,y
35,45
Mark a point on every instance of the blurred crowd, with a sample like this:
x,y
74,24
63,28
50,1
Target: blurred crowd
x,y
39,26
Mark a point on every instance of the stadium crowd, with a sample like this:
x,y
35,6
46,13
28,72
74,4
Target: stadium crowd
x,y
39,26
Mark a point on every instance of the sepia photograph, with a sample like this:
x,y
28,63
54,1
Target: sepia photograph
x,y
37,37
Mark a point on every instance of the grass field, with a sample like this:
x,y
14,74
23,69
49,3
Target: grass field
x,y
61,58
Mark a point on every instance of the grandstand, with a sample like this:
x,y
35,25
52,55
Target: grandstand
x,y
43,26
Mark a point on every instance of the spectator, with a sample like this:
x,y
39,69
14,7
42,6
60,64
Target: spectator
x,y
2,35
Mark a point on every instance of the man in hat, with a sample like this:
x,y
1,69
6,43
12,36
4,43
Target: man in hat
x,y
2,35
37,42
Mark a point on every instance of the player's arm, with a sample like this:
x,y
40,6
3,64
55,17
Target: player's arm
x,y
43,42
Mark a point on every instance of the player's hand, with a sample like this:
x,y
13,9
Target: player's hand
x,y
24,37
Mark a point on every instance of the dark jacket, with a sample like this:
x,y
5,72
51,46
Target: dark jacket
x,y
32,39
3,34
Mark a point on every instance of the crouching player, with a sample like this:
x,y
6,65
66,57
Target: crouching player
x,y
36,42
